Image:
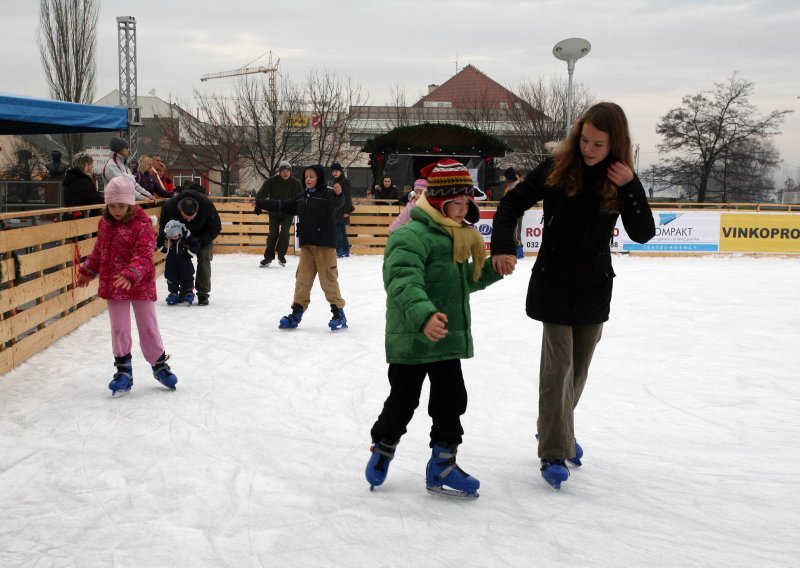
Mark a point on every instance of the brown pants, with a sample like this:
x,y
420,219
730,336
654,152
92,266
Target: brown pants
x,y
564,366
316,260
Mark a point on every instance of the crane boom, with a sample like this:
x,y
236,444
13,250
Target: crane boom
x,y
236,72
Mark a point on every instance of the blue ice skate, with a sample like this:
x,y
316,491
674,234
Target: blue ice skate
x,y
163,374
123,379
554,472
378,464
293,319
172,299
338,321
189,298
444,477
576,459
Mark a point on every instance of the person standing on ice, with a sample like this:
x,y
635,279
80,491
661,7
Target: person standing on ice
x,y
586,185
428,279
123,259
316,231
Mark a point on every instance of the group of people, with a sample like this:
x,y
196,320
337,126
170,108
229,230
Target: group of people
x,y
432,263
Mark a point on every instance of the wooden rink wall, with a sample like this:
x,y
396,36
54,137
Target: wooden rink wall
x,y
39,302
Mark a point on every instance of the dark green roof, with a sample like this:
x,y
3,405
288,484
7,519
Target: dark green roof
x,y
436,138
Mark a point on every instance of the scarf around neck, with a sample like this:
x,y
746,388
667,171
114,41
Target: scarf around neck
x,y
467,241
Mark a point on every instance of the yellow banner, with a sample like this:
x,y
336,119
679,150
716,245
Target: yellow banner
x,y
759,232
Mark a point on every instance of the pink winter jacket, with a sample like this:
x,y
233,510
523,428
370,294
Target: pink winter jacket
x,y
127,249
405,215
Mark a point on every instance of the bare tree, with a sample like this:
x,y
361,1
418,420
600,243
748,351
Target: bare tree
x,y
709,130
334,103
67,38
274,124
209,142
542,118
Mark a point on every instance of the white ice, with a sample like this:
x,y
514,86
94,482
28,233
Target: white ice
x,y
688,422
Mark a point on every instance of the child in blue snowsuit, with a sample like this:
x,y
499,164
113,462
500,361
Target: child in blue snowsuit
x,y
177,241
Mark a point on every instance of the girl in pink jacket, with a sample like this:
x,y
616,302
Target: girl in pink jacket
x,y
123,259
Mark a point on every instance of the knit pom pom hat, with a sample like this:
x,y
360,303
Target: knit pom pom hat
x,y
449,179
120,190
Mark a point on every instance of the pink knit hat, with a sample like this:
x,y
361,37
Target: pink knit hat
x,y
120,190
421,184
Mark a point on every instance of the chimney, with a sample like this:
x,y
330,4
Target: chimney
x,y
432,87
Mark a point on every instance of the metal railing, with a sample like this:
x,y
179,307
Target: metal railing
x,y
30,195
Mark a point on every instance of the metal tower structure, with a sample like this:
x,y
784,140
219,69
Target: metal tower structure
x,y
128,98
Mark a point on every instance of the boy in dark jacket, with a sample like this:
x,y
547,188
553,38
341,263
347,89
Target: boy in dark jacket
x,y
180,246
315,209
428,280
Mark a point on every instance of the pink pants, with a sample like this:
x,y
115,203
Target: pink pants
x,y
119,312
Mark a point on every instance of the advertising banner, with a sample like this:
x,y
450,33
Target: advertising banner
x,y
759,232
677,231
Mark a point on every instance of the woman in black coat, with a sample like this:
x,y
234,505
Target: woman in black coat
x,y
584,187
79,187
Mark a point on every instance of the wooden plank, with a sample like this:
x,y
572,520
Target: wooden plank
x,y
35,289
26,320
245,229
31,345
6,361
15,239
47,258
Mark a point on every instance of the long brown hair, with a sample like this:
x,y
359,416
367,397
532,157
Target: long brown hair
x,y
569,165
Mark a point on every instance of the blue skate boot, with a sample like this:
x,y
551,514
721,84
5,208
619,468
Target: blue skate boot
x,y
554,472
576,459
173,298
123,379
338,321
378,464
163,374
189,298
293,319
444,477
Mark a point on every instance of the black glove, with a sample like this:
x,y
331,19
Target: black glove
x,y
259,211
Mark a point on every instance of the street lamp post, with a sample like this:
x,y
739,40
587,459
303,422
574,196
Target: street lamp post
x,y
570,50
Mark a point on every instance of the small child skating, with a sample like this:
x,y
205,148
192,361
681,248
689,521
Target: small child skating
x,y
180,246
123,259
428,277
316,231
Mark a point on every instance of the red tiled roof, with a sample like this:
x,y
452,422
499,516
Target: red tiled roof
x,y
469,88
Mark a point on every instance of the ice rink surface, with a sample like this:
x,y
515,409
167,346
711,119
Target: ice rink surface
x,y
689,423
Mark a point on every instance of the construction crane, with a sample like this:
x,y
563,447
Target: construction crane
x,y
271,68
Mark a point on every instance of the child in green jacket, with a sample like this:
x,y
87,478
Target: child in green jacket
x,y
428,278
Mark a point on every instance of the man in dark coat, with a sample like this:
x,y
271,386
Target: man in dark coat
x,y
200,216
280,186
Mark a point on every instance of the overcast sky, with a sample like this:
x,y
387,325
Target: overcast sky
x,y
646,55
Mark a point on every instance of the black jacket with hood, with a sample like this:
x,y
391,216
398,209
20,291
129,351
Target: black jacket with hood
x,y
315,208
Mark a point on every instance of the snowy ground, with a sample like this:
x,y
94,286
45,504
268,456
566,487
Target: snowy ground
x,y
688,423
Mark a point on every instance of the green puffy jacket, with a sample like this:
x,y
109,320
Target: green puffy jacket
x,y
420,279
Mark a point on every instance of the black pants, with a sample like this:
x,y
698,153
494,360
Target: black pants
x,y
447,403
179,272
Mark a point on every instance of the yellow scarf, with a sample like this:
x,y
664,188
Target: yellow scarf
x,y
467,241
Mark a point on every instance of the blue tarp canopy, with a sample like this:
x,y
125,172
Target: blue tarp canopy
x,y
27,115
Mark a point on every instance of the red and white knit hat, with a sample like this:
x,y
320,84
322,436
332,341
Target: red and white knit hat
x,y
447,180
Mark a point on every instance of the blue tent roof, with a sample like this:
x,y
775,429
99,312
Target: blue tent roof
x,y
28,115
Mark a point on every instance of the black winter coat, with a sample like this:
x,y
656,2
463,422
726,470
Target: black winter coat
x,y
572,278
315,208
206,225
79,189
347,193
